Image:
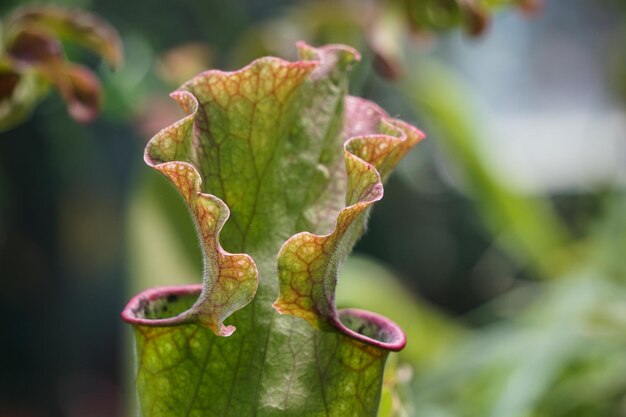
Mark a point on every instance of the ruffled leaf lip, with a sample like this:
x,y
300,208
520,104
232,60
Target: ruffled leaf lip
x,y
372,150
374,126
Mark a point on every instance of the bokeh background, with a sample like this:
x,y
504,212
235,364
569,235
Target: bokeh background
x,y
499,246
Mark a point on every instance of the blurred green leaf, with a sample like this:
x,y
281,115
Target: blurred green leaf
x,y
528,227
528,364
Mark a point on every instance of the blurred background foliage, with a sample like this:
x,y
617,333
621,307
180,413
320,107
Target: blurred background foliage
x,y
499,245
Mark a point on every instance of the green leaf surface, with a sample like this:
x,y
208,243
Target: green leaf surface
x,y
278,168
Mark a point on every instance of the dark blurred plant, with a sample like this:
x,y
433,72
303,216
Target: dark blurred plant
x,y
384,27
472,15
33,60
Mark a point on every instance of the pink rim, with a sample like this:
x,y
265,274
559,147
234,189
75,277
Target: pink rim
x,y
397,338
396,342
129,314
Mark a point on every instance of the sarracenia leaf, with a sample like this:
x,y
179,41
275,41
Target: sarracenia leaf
x,y
278,166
